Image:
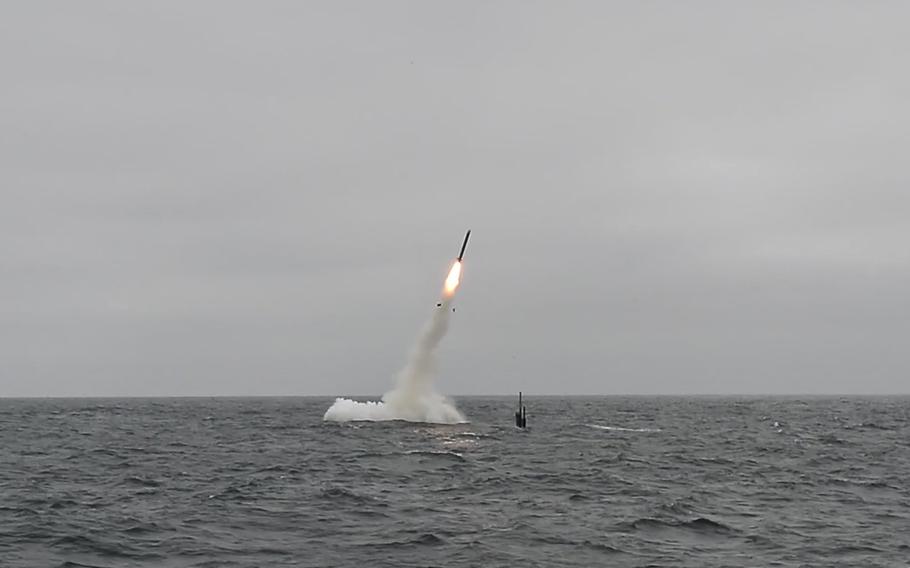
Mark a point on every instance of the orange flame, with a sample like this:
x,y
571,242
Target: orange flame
x,y
453,279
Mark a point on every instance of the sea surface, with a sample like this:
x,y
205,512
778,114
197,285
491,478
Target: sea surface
x,y
593,481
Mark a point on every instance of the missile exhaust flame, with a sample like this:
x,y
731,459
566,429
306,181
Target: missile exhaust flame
x,y
452,280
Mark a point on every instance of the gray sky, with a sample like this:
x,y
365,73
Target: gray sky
x,y
666,197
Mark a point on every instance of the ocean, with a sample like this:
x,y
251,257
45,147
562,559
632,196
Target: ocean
x,y
593,481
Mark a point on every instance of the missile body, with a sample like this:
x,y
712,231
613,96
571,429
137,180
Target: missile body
x,y
464,245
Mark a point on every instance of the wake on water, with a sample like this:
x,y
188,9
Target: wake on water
x,y
413,399
622,428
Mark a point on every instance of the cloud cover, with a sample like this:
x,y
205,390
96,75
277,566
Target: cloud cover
x,y
665,198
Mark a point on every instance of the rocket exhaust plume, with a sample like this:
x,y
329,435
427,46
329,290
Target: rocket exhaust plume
x,y
452,280
413,398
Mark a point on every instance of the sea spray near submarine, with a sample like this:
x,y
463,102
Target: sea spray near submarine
x,y
413,399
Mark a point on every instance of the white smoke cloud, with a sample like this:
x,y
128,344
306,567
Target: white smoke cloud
x,y
413,398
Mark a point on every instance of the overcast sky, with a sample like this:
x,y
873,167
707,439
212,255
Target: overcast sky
x,y
200,198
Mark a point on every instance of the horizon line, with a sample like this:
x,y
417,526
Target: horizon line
x,y
481,395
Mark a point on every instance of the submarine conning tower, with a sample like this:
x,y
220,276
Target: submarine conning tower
x,y
521,415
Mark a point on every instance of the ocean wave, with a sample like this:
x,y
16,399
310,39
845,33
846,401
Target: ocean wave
x,y
868,426
586,543
425,539
82,543
699,524
62,503
437,454
140,481
622,428
345,494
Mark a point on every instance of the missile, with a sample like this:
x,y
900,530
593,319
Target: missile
x,y
464,244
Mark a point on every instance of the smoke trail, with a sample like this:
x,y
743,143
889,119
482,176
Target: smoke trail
x,y
413,398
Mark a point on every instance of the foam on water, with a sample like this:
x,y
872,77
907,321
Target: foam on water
x,y
622,429
436,409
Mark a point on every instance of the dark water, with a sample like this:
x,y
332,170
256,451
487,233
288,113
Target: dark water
x,y
264,482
